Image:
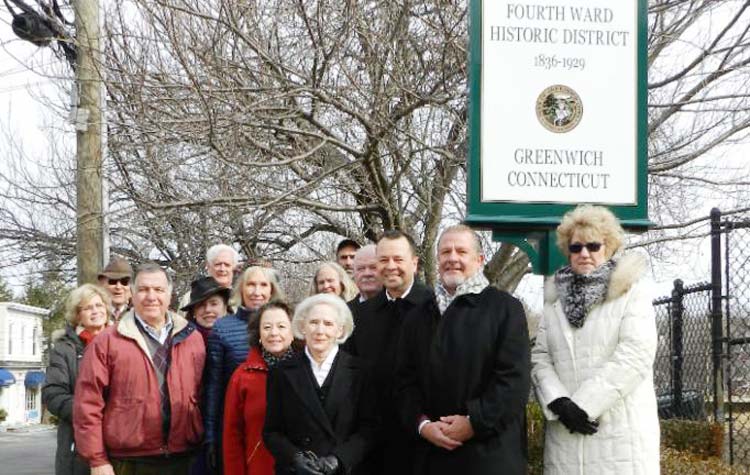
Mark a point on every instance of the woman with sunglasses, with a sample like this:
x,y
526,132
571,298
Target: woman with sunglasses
x,y
594,352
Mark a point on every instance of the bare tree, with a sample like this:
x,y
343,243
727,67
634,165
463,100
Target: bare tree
x,y
699,110
284,125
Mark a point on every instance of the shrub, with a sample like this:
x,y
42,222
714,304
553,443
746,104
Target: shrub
x,y
701,438
535,437
674,462
3,414
688,447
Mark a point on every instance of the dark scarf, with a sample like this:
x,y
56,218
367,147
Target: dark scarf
x,y
578,293
272,360
204,331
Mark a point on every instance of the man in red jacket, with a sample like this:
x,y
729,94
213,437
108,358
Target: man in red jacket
x,y
136,398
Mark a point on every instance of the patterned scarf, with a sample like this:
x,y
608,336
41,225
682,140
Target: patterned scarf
x,y
272,360
473,285
580,292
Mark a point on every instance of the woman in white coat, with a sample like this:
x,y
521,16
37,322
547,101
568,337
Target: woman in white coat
x,y
592,363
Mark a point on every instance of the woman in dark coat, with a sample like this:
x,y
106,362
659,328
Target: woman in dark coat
x,y
87,313
207,304
321,410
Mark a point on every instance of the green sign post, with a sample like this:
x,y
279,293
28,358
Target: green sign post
x,y
558,117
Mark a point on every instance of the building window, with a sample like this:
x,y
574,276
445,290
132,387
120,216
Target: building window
x,y
31,399
11,329
35,335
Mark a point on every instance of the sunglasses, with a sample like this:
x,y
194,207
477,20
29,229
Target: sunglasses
x,y
123,281
590,246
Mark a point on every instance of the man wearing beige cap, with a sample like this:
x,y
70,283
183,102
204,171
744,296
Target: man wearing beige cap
x,y
115,278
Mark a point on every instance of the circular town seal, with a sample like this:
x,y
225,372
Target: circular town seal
x,y
559,109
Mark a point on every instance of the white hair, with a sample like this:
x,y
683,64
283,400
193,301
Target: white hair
x,y
366,250
343,314
214,251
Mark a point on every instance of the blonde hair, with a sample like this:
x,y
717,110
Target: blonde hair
x,y
591,222
348,287
81,295
343,314
270,274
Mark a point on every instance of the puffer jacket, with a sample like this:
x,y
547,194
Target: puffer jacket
x,y
228,346
606,367
57,396
117,408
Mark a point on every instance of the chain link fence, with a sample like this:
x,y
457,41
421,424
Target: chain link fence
x,y
702,367
682,370
736,293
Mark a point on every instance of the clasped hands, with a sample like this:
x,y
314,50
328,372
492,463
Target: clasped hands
x,y
307,463
449,433
575,419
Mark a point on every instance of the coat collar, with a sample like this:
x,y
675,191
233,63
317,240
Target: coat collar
x,y
297,374
417,295
295,370
629,268
128,328
255,361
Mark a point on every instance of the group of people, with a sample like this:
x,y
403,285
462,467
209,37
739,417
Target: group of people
x,y
373,373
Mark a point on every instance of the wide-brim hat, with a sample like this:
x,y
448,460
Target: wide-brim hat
x,y
203,288
117,268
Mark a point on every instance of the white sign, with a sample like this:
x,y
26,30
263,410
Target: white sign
x,y
559,92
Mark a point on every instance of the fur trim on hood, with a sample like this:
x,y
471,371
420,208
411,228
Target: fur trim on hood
x,y
57,334
629,268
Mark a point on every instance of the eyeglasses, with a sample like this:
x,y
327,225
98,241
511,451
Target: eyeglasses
x,y
577,247
123,281
92,307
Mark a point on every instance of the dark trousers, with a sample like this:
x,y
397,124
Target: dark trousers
x,y
178,465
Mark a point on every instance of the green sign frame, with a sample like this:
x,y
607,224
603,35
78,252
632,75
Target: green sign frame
x,y
531,225
541,215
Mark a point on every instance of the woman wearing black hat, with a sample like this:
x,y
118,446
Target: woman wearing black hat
x,y
208,303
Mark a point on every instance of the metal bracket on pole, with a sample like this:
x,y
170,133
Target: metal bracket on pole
x,y
540,246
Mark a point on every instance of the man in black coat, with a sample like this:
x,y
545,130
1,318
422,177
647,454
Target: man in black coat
x,y
377,332
463,374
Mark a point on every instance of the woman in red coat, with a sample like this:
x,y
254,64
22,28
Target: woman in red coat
x,y
245,405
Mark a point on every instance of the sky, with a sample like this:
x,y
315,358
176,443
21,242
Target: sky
x,y
25,115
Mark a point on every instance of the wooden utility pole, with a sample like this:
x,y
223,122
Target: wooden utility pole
x,y
89,142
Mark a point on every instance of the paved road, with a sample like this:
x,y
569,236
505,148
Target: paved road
x,y
28,453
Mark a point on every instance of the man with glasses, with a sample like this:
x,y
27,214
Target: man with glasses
x,y
221,263
115,279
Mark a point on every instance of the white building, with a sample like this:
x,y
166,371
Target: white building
x,y
21,371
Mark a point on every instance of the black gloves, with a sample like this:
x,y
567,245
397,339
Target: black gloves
x,y
573,417
212,459
306,463
328,464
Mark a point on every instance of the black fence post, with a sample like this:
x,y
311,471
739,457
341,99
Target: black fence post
x,y
717,336
678,311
